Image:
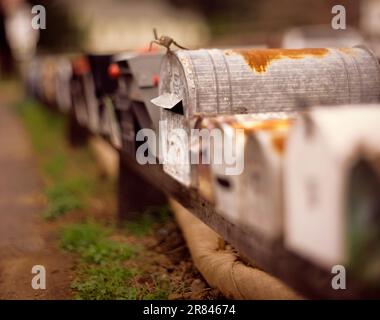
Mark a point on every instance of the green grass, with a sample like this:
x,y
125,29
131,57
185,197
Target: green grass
x,y
104,251
105,282
72,180
91,242
64,197
145,222
159,291
77,237
55,165
142,226
67,187
102,272
45,128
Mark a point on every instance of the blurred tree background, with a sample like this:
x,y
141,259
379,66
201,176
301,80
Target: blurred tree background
x,y
230,22
260,21
63,32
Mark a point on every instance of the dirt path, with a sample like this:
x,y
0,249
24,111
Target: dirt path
x,y
25,239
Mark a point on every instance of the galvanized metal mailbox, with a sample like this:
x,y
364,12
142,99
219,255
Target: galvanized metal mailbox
x,y
210,82
332,188
81,89
48,80
99,90
138,77
33,78
63,75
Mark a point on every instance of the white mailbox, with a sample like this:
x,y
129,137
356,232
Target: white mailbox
x,y
332,187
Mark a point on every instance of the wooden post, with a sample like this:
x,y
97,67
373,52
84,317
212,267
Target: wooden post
x,y
135,194
77,134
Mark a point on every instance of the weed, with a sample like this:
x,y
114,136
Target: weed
x,y
106,250
60,206
105,282
113,281
79,236
47,132
144,224
102,275
55,166
91,242
160,290
44,127
64,197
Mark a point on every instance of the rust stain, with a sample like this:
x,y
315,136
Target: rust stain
x,y
259,60
277,128
263,125
279,142
248,126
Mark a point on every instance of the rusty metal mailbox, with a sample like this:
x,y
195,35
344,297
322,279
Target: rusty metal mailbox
x,y
210,82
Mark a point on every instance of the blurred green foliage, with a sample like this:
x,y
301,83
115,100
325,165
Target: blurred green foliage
x,y
64,192
102,274
106,282
91,242
145,221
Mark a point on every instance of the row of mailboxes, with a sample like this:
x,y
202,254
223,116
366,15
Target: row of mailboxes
x,y
108,94
211,82
138,79
271,195
310,179
200,82
300,160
